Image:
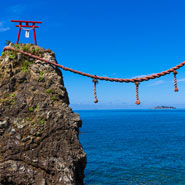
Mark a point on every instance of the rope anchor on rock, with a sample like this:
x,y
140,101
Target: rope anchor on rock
x,y
95,96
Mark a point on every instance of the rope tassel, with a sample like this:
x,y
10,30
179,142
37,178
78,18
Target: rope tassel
x,y
137,93
95,96
175,81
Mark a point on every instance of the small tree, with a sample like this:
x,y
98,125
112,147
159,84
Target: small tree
x,y
7,42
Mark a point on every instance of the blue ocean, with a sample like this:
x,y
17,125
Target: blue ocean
x,y
134,147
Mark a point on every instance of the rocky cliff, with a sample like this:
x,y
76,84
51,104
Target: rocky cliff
x,y
39,142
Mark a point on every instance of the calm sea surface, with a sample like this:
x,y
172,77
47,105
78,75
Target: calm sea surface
x,y
134,147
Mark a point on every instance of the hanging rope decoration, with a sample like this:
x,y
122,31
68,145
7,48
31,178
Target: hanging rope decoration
x,y
27,33
96,78
175,81
95,96
137,93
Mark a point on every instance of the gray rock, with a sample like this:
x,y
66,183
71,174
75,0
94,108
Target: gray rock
x,y
3,124
39,142
19,56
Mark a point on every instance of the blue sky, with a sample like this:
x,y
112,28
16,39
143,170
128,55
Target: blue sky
x,y
115,38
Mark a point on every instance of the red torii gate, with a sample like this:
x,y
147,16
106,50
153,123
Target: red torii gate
x,y
27,26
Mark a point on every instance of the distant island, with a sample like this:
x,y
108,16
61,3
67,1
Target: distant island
x,y
164,107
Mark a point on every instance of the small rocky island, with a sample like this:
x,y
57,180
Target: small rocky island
x,y
39,142
164,107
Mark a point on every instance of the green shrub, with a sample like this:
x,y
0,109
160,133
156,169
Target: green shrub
x,y
3,54
25,65
13,95
48,91
37,108
40,79
41,120
12,101
35,50
27,119
12,56
25,68
6,95
54,98
7,42
17,46
31,109
26,47
42,73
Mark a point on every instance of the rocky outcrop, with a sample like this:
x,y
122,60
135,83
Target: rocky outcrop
x,y
39,142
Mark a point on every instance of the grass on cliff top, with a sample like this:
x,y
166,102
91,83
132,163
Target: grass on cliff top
x,y
30,48
25,62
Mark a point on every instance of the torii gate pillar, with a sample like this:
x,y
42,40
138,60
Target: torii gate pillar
x,y
27,25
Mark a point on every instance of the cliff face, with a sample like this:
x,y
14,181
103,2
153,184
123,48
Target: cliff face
x,y
39,142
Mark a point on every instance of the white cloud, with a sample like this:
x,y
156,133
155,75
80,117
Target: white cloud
x,y
3,28
158,82
141,76
181,80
